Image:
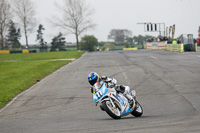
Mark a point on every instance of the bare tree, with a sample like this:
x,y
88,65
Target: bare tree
x,y
119,35
76,18
5,16
25,14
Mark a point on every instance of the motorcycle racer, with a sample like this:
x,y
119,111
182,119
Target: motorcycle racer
x,y
96,83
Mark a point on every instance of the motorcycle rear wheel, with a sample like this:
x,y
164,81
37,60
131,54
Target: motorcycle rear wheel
x,y
111,111
138,111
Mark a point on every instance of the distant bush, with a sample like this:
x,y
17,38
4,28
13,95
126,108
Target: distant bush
x,y
89,43
108,45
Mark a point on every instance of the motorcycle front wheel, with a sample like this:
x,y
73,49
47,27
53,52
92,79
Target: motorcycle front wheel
x,y
138,111
113,112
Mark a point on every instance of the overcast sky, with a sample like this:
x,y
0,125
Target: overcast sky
x,y
125,14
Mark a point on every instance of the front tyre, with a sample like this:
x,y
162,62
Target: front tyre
x,y
138,111
111,111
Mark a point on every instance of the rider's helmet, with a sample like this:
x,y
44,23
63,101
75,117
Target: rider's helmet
x,y
93,78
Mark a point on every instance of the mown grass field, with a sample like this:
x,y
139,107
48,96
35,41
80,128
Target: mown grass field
x,y
19,71
67,48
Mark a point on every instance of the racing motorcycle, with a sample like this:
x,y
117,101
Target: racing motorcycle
x,y
115,104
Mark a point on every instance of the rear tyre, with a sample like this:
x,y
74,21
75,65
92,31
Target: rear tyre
x,y
111,111
138,111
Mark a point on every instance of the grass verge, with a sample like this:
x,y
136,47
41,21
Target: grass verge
x,y
17,76
42,56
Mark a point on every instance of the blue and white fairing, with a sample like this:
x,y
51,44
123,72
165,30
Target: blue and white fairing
x,y
125,106
124,103
99,94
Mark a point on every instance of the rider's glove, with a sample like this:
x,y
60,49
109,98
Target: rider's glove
x,y
110,84
103,77
108,80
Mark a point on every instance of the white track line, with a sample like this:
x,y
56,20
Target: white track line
x,y
154,57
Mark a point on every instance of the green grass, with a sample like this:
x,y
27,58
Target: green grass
x,y
17,76
42,56
67,48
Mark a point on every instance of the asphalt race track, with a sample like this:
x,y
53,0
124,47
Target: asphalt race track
x,y
167,86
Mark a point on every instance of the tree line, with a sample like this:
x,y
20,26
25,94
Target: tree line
x,y
124,36
18,17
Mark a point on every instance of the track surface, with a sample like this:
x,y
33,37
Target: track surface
x,y
167,86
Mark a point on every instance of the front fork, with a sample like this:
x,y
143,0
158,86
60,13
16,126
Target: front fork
x,y
111,101
106,99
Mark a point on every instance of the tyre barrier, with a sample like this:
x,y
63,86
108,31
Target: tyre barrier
x,y
115,49
171,47
25,51
181,47
175,47
4,52
196,47
130,48
16,51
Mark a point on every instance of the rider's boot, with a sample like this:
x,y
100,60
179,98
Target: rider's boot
x,y
126,91
130,99
133,94
129,96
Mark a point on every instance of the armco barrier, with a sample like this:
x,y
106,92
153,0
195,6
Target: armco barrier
x,y
130,48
